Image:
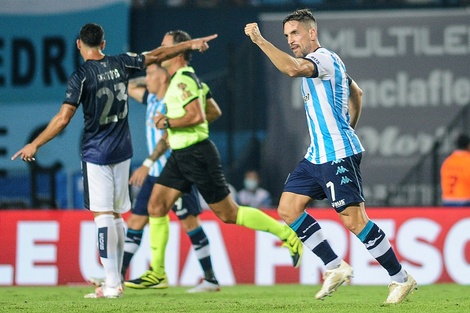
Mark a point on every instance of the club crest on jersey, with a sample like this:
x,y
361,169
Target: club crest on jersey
x,y
306,97
186,93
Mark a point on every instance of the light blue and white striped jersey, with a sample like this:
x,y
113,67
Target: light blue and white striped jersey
x,y
153,134
326,104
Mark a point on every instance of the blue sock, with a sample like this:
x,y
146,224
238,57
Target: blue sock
x,y
132,243
311,234
200,243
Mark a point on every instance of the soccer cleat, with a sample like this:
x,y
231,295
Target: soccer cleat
x,y
106,292
334,278
399,291
149,280
205,286
295,247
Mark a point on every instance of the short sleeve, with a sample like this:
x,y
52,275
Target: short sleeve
x,y
75,88
323,63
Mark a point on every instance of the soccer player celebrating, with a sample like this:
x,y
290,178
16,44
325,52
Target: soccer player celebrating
x,y
330,167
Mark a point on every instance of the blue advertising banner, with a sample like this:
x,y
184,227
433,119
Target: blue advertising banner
x,y
38,53
38,46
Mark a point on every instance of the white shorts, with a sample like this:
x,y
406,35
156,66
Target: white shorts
x,y
106,187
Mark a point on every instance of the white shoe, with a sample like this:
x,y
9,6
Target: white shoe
x,y
205,286
399,291
106,292
334,278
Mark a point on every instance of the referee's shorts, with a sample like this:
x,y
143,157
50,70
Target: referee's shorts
x,y
198,165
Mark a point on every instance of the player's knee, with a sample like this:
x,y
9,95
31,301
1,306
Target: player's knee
x,y
353,225
186,227
353,218
152,209
137,222
226,210
190,223
228,215
284,213
227,218
157,209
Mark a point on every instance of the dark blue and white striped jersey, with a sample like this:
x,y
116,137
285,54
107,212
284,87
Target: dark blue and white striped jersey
x,y
101,87
326,104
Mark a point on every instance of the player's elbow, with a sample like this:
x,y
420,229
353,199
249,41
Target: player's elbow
x,y
297,71
198,119
64,121
359,92
216,115
355,89
291,72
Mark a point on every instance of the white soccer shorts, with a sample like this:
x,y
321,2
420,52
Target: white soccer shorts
x,y
108,187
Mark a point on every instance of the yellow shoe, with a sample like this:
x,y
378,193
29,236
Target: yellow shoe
x,y
149,280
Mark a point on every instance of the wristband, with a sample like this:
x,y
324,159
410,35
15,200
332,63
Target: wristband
x,y
166,123
148,162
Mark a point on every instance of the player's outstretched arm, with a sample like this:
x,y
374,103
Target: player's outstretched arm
x,y
136,88
55,126
289,65
163,53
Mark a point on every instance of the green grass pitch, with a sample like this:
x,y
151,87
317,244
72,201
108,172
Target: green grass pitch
x,y
242,298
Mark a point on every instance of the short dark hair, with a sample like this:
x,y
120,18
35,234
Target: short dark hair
x,y
181,36
300,15
92,35
462,142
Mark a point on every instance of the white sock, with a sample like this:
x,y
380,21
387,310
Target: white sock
x,y
400,277
333,264
121,236
107,247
